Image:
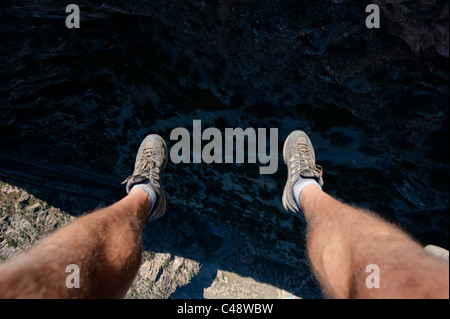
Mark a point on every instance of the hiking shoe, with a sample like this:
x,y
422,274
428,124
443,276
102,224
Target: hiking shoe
x,y
151,160
298,154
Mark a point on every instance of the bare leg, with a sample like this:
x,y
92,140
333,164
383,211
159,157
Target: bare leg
x,y
343,240
105,245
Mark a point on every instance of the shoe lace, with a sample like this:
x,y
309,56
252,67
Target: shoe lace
x,y
302,160
148,166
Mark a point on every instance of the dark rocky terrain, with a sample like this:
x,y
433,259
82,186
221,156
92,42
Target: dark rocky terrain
x,y
374,102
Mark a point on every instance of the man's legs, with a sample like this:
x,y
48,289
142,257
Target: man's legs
x,y
343,241
105,245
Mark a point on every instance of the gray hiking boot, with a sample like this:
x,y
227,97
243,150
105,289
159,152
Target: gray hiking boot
x,y
298,154
151,160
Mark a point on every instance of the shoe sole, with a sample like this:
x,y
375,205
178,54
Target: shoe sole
x,y
162,187
162,191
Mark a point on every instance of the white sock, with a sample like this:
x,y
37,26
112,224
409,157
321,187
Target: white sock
x,y
150,191
299,185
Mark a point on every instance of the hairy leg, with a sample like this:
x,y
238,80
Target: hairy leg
x,y
105,245
343,241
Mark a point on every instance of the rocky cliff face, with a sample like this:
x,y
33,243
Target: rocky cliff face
x,y
374,101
